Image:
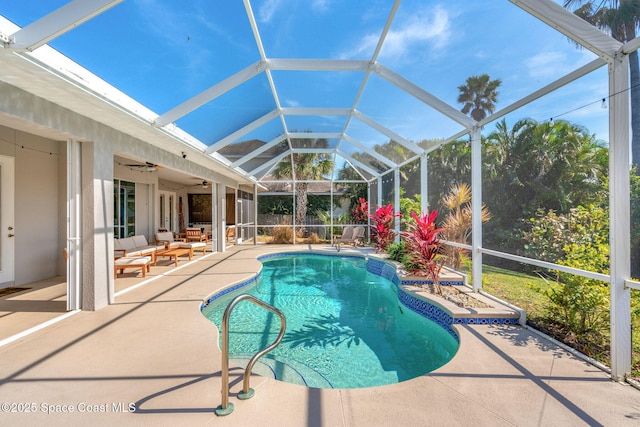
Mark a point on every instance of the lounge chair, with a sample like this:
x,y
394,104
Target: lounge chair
x,y
347,234
356,237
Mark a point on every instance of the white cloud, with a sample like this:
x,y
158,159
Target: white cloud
x,y
291,103
320,5
432,26
548,64
424,26
268,9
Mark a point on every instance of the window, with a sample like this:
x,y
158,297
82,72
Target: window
x,y
124,206
200,208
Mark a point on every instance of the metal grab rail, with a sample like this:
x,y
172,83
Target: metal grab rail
x,y
226,408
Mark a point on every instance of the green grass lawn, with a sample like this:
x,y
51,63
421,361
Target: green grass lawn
x,y
528,292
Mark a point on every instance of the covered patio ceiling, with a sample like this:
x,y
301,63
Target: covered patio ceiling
x,y
250,83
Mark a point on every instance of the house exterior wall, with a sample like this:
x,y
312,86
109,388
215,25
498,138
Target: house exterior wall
x,y
37,222
41,188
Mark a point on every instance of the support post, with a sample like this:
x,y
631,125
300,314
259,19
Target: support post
x,y
73,248
396,200
221,216
619,217
476,208
424,184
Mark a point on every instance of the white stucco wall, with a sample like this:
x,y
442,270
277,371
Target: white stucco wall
x,y
40,189
37,227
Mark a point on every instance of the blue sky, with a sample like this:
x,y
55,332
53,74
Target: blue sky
x,y
163,52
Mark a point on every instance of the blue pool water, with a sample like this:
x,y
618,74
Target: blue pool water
x,y
345,326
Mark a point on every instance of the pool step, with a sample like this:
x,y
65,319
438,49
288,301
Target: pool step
x,y
283,369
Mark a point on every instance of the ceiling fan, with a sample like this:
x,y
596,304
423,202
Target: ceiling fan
x,y
204,183
147,166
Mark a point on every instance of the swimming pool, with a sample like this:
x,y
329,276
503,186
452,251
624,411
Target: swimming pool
x,y
345,325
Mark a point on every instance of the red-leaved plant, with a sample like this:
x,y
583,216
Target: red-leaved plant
x,y
360,211
382,229
423,247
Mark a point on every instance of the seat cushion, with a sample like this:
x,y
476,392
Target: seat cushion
x,y
164,236
138,260
147,250
140,241
193,245
126,243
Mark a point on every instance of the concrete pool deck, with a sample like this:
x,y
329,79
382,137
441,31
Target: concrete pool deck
x,y
154,350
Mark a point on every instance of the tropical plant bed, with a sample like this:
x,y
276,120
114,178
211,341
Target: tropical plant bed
x,y
461,296
451,294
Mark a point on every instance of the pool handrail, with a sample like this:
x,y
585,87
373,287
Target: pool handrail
x,y
226,408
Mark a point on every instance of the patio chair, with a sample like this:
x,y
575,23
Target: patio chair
x,y
347,234
194,234
358,235
166,238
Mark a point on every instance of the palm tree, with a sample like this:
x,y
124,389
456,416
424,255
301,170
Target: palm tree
x,y
304,167
621,19
479,96
457,223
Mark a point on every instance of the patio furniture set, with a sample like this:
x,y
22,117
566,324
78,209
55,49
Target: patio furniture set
x,y
137,252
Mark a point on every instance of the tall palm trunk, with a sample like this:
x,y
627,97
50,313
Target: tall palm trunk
x,y
301,205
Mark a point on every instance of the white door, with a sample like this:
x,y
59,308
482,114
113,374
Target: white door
x,y
6,220
168,210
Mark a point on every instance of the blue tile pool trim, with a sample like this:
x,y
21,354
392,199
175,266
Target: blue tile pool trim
x,y
228,290
388,271
425,308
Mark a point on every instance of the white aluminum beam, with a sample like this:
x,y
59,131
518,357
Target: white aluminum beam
x,y
571,26
290,111
243,131
317,65
424,96
354,168
385,31
369,151
631,46
270,163
388,132
260,150
210,94
572,76
543,264
357,163
254,28
314,150
374,58
311,135
58,22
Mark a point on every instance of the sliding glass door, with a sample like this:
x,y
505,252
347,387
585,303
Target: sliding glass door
x,y
124,221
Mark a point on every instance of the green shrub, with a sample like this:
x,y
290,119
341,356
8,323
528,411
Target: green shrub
x,y
397,251
578,240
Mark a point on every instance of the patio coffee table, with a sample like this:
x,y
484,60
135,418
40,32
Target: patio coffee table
x,y
175,253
